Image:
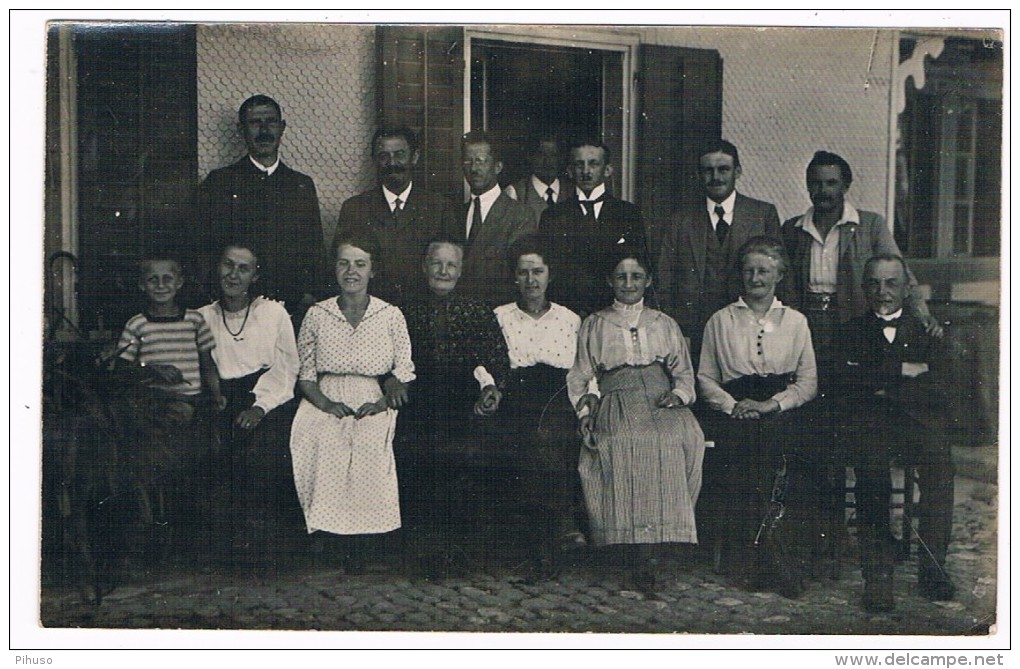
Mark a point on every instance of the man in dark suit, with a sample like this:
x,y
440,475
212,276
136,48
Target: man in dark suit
x,y
546,185
492,222
828,247
264,203
697,273
587,231
401,213
888,407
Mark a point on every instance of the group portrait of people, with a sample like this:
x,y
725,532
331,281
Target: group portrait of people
x,y
699,399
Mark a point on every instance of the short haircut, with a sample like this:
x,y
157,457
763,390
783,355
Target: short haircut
x,y
826,158
145,264
766,246
393,130
531,244
720,146
257,101
439,241
538,140
886,257
479,137
364,239
597,143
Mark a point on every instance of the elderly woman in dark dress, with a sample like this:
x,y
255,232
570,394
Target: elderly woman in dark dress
x,y
641,462
757,365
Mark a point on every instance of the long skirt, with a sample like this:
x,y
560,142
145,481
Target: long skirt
x,y
344,469
642,480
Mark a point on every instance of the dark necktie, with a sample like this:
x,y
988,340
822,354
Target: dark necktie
x,y
589,208
398,206
550,196
721,226
476,218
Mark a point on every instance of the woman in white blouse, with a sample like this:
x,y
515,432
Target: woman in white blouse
x,y
541,340
641,462
256,356
757,365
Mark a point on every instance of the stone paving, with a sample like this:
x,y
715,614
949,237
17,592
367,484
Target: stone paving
x,y
583,598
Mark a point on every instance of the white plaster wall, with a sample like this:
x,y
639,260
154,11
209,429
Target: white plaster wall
x,y
789,92
324,78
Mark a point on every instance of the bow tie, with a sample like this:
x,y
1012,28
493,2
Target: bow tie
x,y
890,323
600,198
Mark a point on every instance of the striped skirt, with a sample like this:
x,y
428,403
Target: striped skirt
x,y
642,480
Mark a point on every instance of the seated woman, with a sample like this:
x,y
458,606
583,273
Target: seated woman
x,y
256,356
541,338
641,463
342,438
757,364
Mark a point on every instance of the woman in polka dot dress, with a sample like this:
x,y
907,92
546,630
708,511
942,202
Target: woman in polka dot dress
x,y
342,438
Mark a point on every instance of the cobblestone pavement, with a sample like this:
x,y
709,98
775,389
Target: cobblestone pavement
x,y
582,599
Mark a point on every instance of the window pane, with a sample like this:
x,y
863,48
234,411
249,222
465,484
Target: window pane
x,y
962,188
961,229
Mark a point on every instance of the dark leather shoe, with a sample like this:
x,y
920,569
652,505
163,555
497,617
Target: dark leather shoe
x,y
939,589
878,594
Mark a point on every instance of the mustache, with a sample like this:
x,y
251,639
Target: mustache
x,y
394,169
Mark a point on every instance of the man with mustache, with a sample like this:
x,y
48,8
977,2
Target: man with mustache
x,y
402,214
267,204
829,246
585,232
697,273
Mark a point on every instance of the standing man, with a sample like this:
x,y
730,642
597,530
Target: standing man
x,y
828,247
402,214
492,222
273,208
586,231
697,272
544,187
888,408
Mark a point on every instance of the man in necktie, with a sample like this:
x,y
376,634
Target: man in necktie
x,y
828,247
888,406
400,211
587,230
270,206
493,221
547,184
697,272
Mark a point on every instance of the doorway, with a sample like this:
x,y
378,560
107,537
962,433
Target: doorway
x,y
521,90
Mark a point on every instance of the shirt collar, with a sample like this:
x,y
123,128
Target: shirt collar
x,y
596,192
776,304
540,186
262,168
726,204
391,198
488,197
620,306
891,316
850,215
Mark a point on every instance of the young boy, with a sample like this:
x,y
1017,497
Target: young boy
x,y
166,347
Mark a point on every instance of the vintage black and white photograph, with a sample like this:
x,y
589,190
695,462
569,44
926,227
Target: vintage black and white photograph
x,y
675,329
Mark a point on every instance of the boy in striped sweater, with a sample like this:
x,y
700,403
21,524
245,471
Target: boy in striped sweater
x,y
166,347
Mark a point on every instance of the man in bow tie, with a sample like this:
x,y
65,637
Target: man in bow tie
x,y
890,409
829,246
586,231
697,273
269,205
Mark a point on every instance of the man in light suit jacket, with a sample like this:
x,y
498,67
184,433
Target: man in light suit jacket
x,y
492,222
401,213
588,232
829,246
697,272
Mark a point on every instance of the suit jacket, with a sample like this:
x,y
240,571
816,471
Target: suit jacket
x,y
580,253
868,363
277,214
425,216
681,284
857,243
526,194
487,274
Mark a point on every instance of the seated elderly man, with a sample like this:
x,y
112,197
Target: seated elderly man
x,y
887,407
461,360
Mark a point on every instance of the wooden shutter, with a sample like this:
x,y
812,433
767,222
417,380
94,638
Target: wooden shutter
x,y
421,84
680,98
